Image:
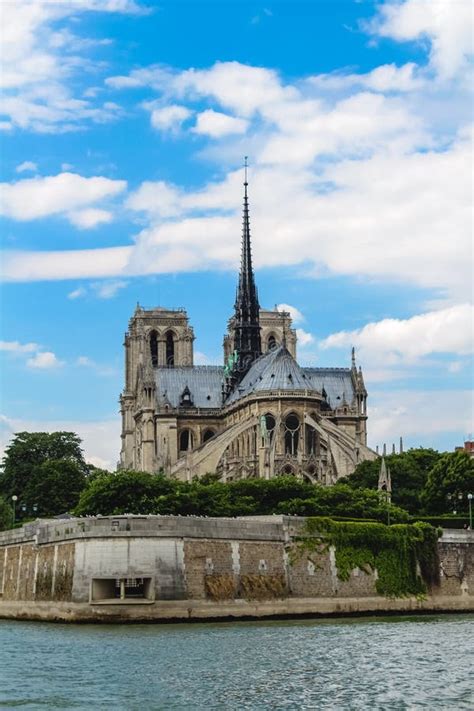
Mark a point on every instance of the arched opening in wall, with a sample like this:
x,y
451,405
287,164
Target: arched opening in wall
x,y
268,426
310,440
154,348
271,342
185,440
170,349
208,434
287,470
292,427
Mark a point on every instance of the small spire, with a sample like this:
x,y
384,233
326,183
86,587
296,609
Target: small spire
x,y
401,445
353,357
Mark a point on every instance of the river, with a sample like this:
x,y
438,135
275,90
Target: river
x,y
358,664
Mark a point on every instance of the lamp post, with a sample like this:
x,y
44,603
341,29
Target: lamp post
x,y
14,499
469,498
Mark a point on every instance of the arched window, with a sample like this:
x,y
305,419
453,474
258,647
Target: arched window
x,y
271,343
185,441
208,434
154,348
292,426
170,349
310,440
270,424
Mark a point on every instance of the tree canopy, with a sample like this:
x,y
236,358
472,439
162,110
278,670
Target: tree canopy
x,y
42,469
142,493
6,515
409,473
448,483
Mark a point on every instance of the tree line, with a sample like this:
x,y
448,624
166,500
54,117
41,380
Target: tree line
x,y
46,475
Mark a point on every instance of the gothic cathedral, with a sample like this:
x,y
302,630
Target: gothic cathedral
x,y
258,415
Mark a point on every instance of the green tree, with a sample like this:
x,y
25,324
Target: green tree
x,y
448,483
124,492
28,450
6,515
53,488
409,473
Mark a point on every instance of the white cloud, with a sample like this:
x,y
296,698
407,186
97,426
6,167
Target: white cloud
x,y
17,347
295,313
215,124
77,293
158,198
101,439
304,338
28,166
41,56
169,118
394,341
108,289
64,193
386,78
447,25
419,416
44,360
91,217
85,361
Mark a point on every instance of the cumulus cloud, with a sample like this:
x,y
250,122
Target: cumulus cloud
x,y
64,193
392,341
169,118
304,338
448,26
215,124
91,217
44,360
295,313
17,347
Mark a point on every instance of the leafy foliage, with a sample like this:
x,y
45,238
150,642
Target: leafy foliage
x,y
142,493
394,551
6,515
43,469
409,472
449,482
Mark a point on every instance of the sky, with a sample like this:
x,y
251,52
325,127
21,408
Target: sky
x,y
123,130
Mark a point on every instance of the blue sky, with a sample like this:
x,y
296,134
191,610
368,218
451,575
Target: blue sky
x,y
124,125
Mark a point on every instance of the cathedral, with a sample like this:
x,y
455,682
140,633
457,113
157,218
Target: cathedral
x,y
260,414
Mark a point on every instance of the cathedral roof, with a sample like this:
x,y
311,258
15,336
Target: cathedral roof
x,y
271,371
203,381
275,370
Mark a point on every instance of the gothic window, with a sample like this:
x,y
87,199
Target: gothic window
x,y
292,426
170,349
208,434
154,348
270,425
310,440
271,343
185,440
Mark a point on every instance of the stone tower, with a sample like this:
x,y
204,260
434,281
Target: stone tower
x,y
156,338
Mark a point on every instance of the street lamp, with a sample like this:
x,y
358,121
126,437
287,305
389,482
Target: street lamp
x,y
469,498
14,499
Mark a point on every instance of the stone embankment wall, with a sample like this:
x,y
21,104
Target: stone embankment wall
x,y
198,568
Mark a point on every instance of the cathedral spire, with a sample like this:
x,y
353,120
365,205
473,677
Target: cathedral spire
x,y
247,340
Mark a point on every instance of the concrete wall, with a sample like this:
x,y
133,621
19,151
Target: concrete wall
x,y
198,568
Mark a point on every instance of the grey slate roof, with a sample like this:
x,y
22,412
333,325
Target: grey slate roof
x,y
271,371
204,382
275,370
337,383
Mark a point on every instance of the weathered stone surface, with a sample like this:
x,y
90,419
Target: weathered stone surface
x,y
200,568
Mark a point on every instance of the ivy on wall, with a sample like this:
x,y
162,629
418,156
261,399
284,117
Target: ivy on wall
x,y
405,556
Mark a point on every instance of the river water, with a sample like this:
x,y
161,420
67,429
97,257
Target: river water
x,y
367,664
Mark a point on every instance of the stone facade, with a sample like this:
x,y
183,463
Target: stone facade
x,y
162,567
